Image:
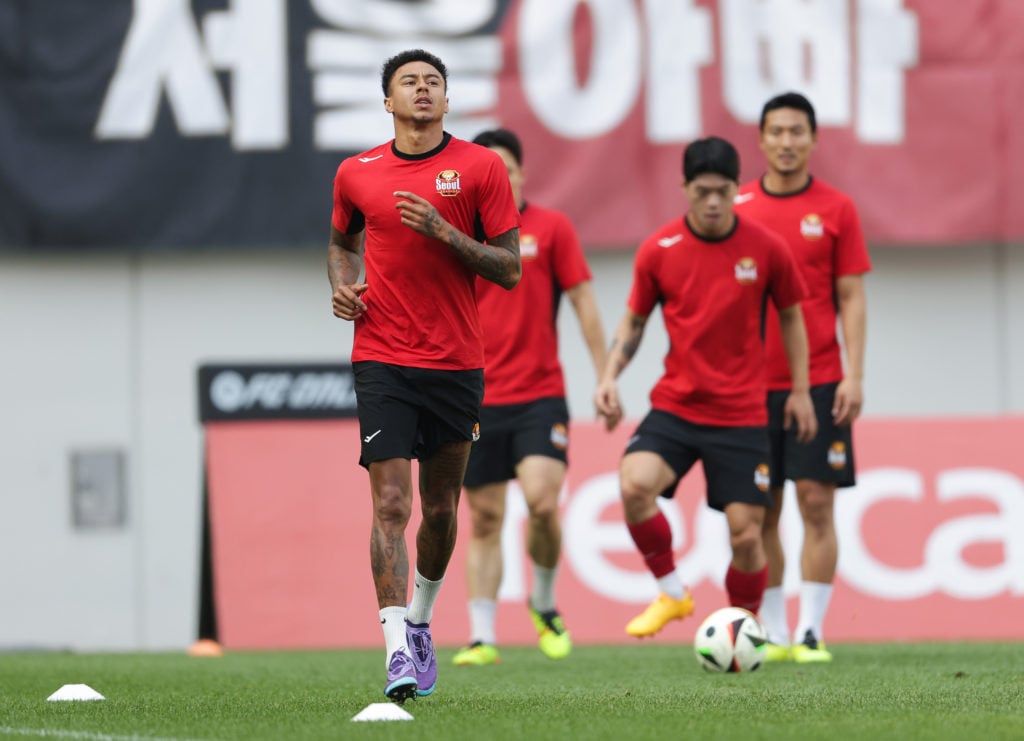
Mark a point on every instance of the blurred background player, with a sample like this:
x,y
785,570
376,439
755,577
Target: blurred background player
x,y
821,226
417,354
524,421
712,274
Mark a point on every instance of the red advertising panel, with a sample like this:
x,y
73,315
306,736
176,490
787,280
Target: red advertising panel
x,y
929,539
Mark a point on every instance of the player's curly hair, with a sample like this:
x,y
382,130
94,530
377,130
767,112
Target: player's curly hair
x,y
410,55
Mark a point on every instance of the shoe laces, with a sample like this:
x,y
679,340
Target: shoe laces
x,y
553,621
398,660
422,644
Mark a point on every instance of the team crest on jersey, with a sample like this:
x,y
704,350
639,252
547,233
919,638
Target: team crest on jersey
x,y
448,183
746,271
812,227
837,455
559,436
762,477
476,432
527,247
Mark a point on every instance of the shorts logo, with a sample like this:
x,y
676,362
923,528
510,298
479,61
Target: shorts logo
x,y
476,432
559,436
448,183
746,271
527,247
837,455
762,477
812,227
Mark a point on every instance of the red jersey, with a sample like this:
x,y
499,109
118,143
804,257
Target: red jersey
x,y
421,304
821,227
520,326
713,295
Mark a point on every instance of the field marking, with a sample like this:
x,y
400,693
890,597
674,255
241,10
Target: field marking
x,y
58,733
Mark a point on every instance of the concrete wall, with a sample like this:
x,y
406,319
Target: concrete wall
x,y
100,353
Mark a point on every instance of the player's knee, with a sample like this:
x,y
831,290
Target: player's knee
x,y
746,540
392,505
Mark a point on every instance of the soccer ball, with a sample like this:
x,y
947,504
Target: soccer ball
x,y
730,640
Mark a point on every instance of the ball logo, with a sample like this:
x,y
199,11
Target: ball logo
x,y
837,455
527,247
762,477
746,271
448,183
812,227
559,436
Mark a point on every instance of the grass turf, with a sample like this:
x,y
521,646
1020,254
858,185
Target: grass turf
x,y
643,691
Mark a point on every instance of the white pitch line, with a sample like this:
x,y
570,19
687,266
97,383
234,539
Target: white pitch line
x,y
57,733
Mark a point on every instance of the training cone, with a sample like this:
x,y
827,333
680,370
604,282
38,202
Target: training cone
x,y
381,711
75,692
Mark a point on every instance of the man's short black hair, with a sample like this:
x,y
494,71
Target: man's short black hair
x,y
410,55
711,155
790,100
501,138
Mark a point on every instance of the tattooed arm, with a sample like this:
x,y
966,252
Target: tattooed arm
x,y
496,261
344,265
624,347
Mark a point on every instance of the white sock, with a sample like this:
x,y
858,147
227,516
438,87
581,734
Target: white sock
x,y
482,618
773,615
392,620
672,585
424,594
542,596
814,599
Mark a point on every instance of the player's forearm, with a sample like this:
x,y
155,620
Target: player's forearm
x,y
585,305
496,261
624,345
794,340
343,265
853,320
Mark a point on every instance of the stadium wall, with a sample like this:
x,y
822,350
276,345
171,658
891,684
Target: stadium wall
x,y
100,355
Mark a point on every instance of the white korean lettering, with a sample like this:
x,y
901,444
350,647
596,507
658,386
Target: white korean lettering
x,y
886,46
162,52
776,45
548,72
679,43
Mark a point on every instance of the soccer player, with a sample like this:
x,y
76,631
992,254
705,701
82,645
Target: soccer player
x,y
712,273
525,418
436,212
821,226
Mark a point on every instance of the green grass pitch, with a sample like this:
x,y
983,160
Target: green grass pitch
x,y
642,691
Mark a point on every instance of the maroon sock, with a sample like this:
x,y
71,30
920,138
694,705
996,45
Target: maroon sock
x,y
653,539
745,588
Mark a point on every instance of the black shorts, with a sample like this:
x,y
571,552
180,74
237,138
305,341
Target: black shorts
x,y
510,432
827,458
410,412
735,458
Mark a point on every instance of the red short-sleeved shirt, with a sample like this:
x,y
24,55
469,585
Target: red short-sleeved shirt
x,y
520,326
421,304
821,227
713,296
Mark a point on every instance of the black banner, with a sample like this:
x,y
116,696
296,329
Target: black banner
x,y
202,124
248,391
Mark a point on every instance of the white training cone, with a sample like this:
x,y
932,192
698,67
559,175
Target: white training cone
x,y
382,711
75,692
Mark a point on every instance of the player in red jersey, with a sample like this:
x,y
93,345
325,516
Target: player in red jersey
x,y
821,226
525,418
712,273
436,212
